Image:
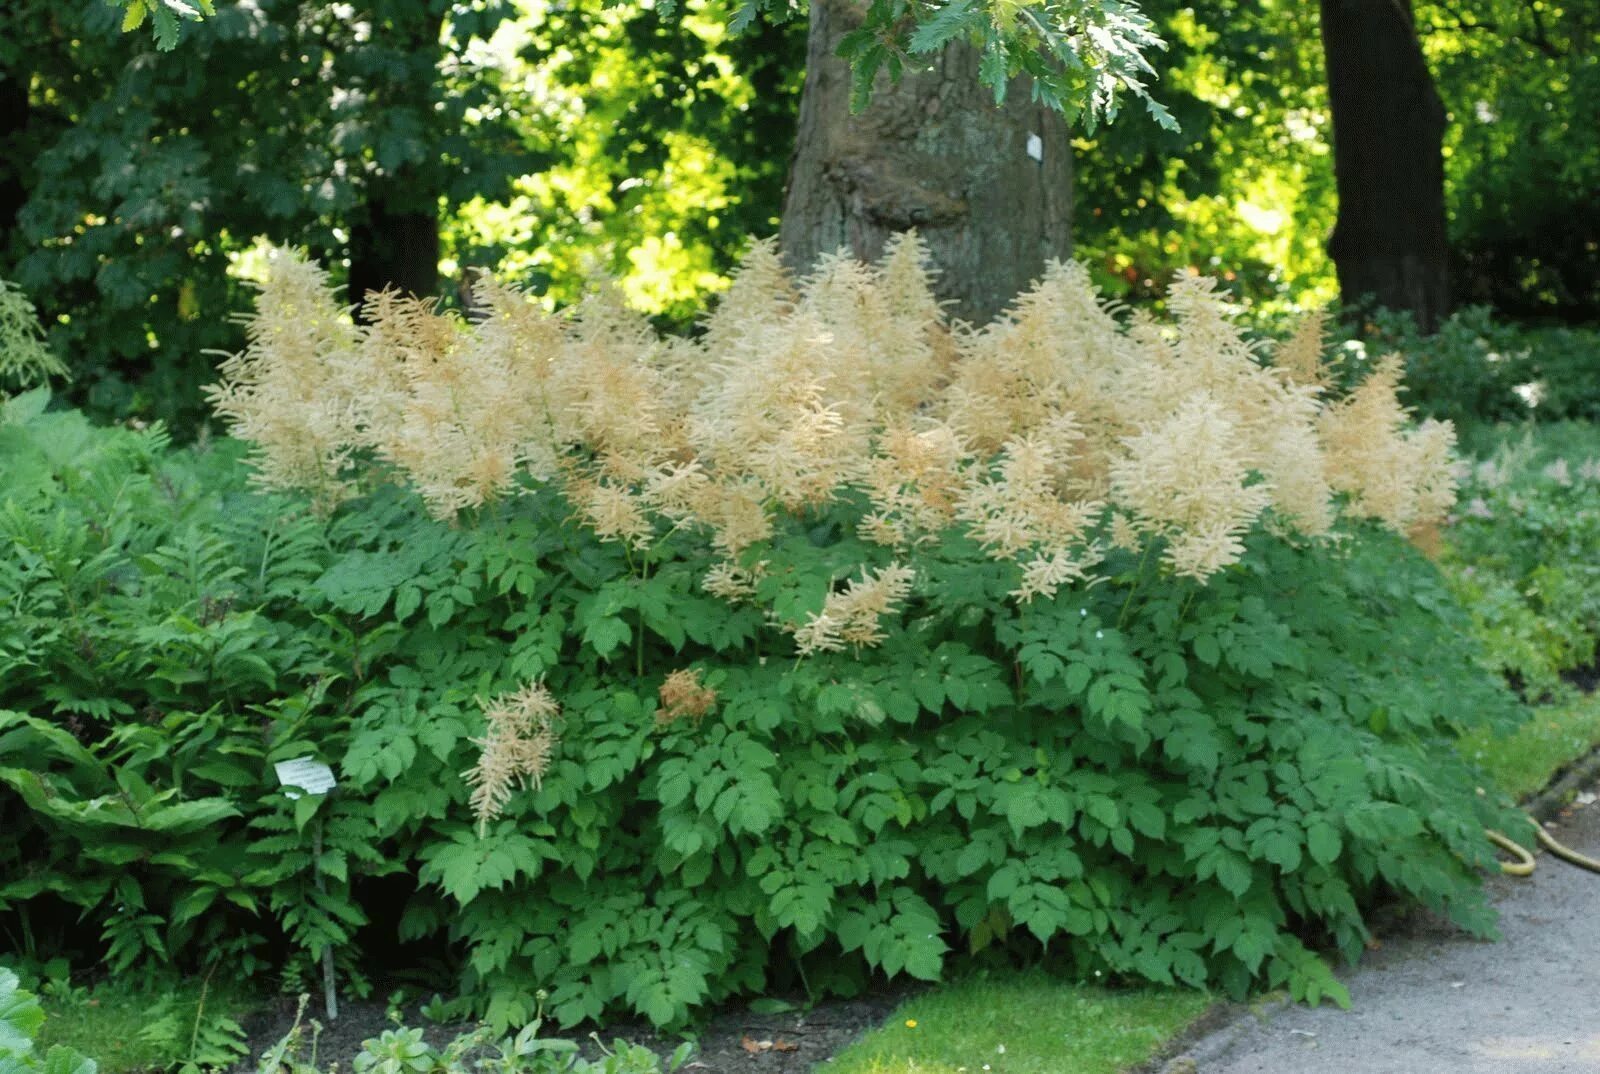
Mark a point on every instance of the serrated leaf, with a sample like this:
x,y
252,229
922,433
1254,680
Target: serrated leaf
x,y
607,634
943,26
1322,840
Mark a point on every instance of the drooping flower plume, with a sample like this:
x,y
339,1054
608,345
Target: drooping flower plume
x,y
516,747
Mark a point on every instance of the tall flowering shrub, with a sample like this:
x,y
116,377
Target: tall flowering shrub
x,y
842,638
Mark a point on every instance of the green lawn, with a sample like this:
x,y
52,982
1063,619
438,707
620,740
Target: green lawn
x,y
131,1030
1026,1023
1555,735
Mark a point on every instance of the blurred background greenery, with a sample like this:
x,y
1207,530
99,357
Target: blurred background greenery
x,y
553,141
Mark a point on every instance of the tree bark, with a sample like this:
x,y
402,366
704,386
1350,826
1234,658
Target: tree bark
x,y
989,188
14,117
395,243
1389,242
394,236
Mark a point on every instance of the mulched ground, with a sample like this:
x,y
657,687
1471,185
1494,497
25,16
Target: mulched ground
x,y
733,1042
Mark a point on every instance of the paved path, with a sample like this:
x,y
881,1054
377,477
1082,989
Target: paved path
x,y
1433,1002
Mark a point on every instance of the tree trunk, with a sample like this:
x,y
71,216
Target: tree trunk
x,y
394,236
1388,126
14,116
396,243
989,188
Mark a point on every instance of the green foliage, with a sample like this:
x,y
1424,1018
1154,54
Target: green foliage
x,y
197,1039
657,135
1477,368
1248,183
1522,84
1245,186
20,1019
405,1050
135,1027
1524,762
1082,55
148,687
1521,554
166,16
24,358
120,146
1148,780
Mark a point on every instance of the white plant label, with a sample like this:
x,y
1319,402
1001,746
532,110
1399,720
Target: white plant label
x,y
1036,147
305,774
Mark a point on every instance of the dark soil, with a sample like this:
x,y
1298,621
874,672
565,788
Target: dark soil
x,y
1585,678
736,1041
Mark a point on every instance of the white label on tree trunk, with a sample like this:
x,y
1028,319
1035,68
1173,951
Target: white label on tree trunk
x,y
1035,147
305,774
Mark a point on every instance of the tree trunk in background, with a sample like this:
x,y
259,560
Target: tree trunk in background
x,y
14,117
1388,127
935,154
394,235
396,243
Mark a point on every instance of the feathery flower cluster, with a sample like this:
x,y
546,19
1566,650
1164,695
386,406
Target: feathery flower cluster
x,y
1300,357
851,617
1393,472
292,392
684,695
914,481
516,748
1188,477
1060,430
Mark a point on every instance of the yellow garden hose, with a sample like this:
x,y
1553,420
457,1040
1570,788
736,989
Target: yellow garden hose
x,y
1523,866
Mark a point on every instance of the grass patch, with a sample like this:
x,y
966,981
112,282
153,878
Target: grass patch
x,y
103,1023
1554,736
1028,1023
132,1030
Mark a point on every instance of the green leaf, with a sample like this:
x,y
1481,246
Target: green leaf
x,y
1233,873
133,18
606,635
1322,840
20,1016
944,25
63,1060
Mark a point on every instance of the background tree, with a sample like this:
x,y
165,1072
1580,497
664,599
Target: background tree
x,y
960,134
1521,79
619,140
988,187
1000,203
1389,243
294,121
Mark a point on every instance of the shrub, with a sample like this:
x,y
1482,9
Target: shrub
x,y
147,681
24,358
838,642
1479,369
1521,552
